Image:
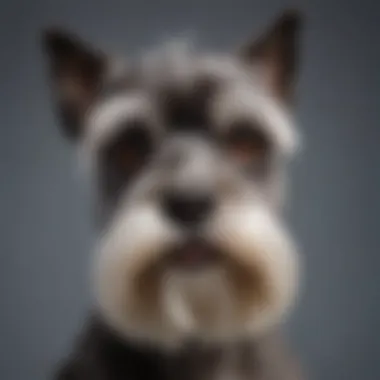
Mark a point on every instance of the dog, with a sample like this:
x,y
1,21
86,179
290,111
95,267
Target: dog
x,y
195,269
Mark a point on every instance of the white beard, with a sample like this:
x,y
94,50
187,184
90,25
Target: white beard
x,y
206,304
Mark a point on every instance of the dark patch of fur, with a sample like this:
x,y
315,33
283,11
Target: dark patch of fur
x,y
278,51
101,354
71,60
187,109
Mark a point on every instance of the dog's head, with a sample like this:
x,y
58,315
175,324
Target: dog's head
x,y
188,151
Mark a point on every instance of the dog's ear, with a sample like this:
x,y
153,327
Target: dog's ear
x,y
76,72
276,53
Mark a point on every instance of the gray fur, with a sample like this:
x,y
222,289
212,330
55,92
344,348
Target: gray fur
x,y
215,127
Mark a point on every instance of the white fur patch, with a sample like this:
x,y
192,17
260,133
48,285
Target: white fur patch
x,y
135,239
199,304
257,238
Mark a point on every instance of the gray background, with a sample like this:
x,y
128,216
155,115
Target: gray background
x,y
46,233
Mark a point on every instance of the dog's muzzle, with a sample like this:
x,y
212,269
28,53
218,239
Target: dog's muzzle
x,y
186,267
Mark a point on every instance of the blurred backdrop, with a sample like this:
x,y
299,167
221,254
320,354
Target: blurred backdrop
x,y
46,233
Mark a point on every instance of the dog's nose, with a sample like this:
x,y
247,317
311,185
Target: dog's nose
x,y
188,210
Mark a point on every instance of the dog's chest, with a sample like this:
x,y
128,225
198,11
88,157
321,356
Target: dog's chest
x,y
232,364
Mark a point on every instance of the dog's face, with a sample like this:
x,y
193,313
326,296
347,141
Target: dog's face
x,y
188,152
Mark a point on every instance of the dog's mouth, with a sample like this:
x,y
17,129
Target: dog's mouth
x,y
193,254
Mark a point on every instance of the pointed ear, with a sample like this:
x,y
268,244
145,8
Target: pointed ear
x,y
277,54
76,72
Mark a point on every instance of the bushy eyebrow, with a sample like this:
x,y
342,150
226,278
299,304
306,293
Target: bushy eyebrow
x,y
264,111
110,115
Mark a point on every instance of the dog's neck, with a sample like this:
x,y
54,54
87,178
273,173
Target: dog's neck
x,y
198,362
102,355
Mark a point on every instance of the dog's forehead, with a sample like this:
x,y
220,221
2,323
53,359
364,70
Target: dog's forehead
x,y
181,65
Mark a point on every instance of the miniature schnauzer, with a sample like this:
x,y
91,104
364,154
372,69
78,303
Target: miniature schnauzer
x,y
195,269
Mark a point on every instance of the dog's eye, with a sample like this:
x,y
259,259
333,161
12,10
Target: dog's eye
x,y
246,144
132,149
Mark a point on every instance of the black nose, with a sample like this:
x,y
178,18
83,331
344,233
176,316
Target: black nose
x,y
188,210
